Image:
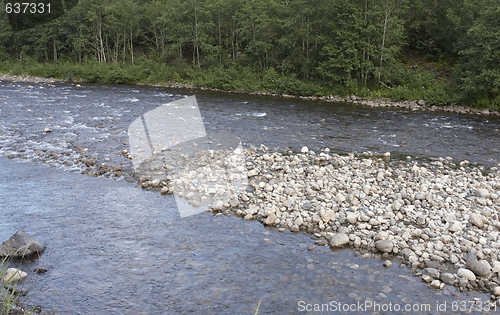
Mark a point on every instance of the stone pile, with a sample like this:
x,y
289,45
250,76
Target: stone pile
x,y
440,217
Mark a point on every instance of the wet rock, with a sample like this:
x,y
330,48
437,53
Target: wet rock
x,y
339,240
20,245
89,162
431,272
436,284
13,275
466,273
479,268
384,246
447,278
387,264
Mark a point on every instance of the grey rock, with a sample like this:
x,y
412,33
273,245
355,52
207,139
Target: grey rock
x,y
436,284
455,227
431,272
384,246
270,219
306,205
387,264
432,264
447,278
20,245
352,218
339,240
478,268
476,219
483,193
466,273
218,204
496,291
288,203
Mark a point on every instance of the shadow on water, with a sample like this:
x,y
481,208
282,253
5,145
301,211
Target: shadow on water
x,y
120,250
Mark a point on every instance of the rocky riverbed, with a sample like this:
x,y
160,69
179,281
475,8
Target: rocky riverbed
x,y
441,217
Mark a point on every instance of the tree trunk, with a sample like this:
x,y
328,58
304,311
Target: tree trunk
x,y
131,45
101,41
197,48
54,43
383,39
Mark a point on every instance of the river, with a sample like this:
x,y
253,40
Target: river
x,y
113,248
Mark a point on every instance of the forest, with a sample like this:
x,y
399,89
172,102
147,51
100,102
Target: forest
x,y
442,51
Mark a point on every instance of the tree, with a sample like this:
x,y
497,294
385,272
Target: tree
x,y
478,71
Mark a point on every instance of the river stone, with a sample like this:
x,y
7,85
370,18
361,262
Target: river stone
x,y
288,203
304,149
218,204
431,272
436,284
496,266
483,193
476,219
456,226
466,273
20,245
384,246
496,291
479,268
447,278
382,235
270,219
352,218
339,240
13,275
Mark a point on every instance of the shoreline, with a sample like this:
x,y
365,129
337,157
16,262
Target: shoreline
x,y
414,105
441,218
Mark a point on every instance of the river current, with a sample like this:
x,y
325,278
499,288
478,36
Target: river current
x,y
113,248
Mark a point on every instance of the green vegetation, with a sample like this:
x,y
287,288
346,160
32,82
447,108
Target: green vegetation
x,y
441,51
8,299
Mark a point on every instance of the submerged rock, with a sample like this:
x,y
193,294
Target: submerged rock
x,y
20,245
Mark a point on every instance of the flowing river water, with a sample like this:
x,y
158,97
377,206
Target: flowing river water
x,y
113,248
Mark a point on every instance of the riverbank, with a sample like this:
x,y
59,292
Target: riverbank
x,y
312,94
440,217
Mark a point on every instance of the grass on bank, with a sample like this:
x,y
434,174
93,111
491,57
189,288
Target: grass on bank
x,y
408,83
8,298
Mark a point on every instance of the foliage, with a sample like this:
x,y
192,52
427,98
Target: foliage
x,y
295,47
478,71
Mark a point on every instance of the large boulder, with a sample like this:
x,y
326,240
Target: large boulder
x,y
20,245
